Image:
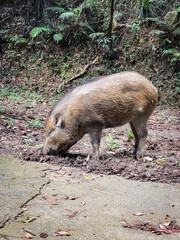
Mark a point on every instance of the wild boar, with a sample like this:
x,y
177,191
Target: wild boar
x,y
102,102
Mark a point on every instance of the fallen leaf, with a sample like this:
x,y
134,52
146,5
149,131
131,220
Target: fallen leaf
x,y
44,196
87,177
62,233
72,214
28,235
71,198
162,228
166,224
43,235
27,220
138,214
53,201
82,203
171,204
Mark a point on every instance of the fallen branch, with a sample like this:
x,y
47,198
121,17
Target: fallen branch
x,y
81,73
4,20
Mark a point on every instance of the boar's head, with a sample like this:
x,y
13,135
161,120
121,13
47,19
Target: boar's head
x,y
57,137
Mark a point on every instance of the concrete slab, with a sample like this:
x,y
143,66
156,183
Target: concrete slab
x,y
34,198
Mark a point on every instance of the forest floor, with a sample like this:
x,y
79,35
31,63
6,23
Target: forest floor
x,y
22,136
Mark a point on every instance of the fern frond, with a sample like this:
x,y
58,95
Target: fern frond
x,y
177,9
118,16
38,30
171,17
158,32
58,37
176,32
67,15
157,21
21,40
96,35
56,9
172,51
88,4
86,25
61,27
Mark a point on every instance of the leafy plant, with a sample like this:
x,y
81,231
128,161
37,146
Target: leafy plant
x,y
135,27
11,120
174,54
130,134
67,15
152,164
58,37
38,30
151,8
111,143
168,33
161,160
35,123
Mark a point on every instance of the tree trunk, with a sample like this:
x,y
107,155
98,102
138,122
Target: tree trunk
x,y
110,26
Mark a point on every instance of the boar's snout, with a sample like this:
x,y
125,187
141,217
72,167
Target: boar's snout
x,y
49,151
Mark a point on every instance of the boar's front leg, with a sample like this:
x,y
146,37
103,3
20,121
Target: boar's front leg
x,y
95,137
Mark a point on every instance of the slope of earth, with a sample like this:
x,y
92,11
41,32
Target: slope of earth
x,y
22,134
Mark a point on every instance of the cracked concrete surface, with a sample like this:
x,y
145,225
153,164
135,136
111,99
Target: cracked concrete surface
x,y
33,197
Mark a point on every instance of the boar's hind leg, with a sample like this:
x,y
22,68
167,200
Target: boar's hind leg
x,y
140,134
95,137
136,137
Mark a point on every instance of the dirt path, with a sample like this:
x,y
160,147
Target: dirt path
x,y
21,128
44,201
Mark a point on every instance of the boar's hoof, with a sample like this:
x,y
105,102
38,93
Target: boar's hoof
x,y
139,155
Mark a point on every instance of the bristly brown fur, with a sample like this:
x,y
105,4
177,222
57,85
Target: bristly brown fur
x,y
99,103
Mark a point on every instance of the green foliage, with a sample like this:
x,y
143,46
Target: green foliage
x,y
135,27
21,95
161,160
174,53
58,37
11,120
21,40
56,9
151,8
10,38
157,32
104,43
168,32
96,35
176,32
86,25
111,143
67,15
38,30
88,4
130,134
36,123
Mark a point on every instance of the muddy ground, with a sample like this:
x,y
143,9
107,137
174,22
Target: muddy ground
x,y
22,133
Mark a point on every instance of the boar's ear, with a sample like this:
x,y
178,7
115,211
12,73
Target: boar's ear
x,y
59,121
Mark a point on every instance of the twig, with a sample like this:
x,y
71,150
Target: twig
x,y
8,236
4,20
82,72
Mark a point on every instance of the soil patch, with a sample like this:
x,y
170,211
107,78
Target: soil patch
x,y
22,134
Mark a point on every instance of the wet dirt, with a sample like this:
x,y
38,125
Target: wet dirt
x,y
22,134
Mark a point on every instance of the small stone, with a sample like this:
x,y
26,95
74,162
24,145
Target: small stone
x,y
148,159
